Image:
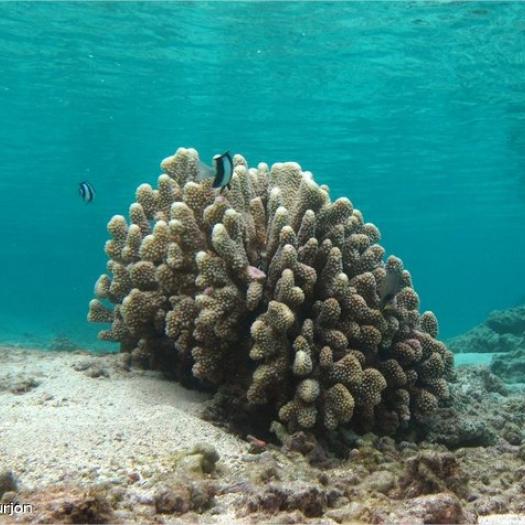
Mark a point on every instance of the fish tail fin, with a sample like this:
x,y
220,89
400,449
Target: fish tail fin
x,y
204,172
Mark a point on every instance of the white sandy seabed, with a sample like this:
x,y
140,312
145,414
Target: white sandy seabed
x,y
59,425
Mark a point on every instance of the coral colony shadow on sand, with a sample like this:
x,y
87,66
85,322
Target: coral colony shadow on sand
x,y
273,290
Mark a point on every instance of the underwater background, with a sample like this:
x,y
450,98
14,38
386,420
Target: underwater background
x,y
415,111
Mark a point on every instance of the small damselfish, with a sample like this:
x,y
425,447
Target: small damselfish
x,y
86,191
221,172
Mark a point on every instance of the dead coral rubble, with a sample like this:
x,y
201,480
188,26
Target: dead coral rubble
x,y
511,365
274,287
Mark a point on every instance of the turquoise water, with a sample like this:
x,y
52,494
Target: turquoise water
x,y
416,111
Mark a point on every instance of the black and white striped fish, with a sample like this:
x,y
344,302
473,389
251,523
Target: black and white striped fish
x,y
221,172
86,191
391,286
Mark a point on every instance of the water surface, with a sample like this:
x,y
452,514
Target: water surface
x,y
416,111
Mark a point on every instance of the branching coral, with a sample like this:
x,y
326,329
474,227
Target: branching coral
x,y
273,286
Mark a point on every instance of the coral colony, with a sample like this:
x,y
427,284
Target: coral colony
x,y
274,288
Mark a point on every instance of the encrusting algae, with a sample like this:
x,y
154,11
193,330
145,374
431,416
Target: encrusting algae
x,y
273,287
